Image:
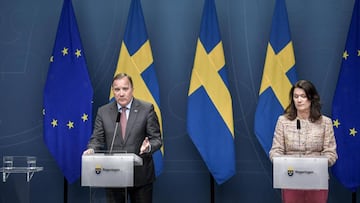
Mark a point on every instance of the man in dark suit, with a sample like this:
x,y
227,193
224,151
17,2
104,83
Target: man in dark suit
x,y
142,136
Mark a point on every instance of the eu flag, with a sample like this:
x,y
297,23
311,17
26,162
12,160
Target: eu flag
x,y
67,98
210,115
278,77
346,109
136,59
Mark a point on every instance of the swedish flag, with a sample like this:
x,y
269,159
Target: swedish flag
x,y
210,116
67,98
346,109
278,77
136,60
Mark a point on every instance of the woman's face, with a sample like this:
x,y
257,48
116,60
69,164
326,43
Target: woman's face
x,y
302,103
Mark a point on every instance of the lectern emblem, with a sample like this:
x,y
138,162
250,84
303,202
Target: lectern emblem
x,y
98,169
290,171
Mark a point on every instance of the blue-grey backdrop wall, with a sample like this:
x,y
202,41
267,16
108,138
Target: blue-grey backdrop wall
x,y
27,35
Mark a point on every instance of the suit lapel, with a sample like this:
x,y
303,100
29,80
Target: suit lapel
x,y
132,118
113,111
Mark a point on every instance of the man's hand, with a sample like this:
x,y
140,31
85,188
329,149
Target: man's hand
x,y
145,147
89,151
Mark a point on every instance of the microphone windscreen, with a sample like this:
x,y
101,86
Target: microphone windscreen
x,y
298,124
118,117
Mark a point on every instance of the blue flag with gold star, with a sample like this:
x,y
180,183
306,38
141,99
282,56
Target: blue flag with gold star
x,y
278,77
67,98
210,115
346,109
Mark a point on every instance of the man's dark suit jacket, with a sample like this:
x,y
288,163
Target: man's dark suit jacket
x,y
142,122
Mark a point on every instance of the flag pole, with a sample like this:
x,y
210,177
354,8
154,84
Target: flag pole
x,y
65,190
353,195
212,189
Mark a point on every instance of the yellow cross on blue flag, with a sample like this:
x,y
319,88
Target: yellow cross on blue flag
x,y
278,77
136,60
67,98
210,115
346,109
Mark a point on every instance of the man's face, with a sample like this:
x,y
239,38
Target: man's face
x,y
123,91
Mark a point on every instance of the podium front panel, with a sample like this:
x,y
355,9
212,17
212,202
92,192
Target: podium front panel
x,y
107,170
300,172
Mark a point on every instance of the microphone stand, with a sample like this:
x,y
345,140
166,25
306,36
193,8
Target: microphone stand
x,y
115,130
112,145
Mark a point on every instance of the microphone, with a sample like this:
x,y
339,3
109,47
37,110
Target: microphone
x,y
118,117
116,127
298,124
